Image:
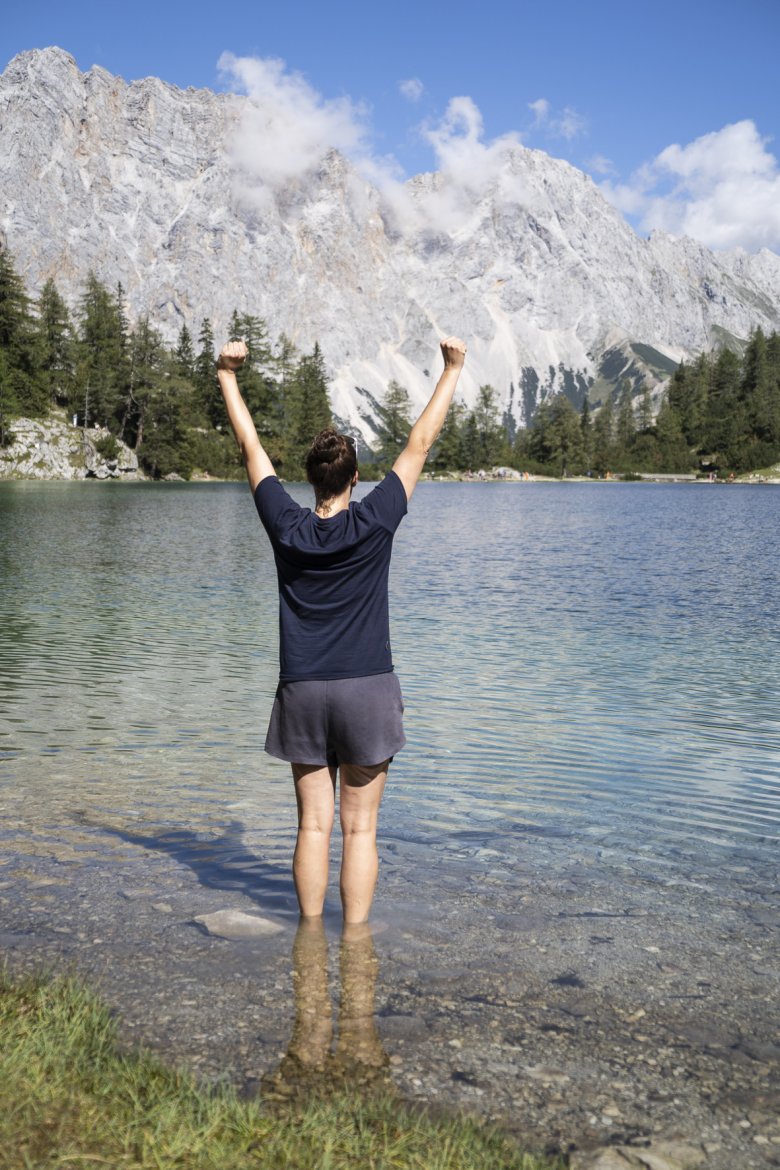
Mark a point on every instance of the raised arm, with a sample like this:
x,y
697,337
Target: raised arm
x,y
255,459
426,430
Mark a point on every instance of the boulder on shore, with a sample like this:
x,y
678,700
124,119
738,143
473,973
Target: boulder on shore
x,y
53,448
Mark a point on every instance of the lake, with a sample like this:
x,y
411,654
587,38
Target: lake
x,y
570,654
592,693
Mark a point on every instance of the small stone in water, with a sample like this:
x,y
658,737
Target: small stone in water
x,y
236,924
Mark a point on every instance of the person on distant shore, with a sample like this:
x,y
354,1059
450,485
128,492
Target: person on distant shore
x,y
338,707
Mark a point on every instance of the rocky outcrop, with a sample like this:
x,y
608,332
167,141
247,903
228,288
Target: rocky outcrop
x,y
55,449
144,183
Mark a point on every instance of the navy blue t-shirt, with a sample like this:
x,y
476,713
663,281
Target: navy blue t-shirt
x,y
334,617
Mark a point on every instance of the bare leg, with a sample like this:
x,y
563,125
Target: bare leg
x,y
360,795
315,789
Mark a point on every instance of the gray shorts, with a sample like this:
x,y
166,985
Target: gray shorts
x,y
339,721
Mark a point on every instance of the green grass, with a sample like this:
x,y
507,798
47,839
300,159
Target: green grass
x,y
72,1098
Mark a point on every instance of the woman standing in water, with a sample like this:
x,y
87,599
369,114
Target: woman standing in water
x,y
338,708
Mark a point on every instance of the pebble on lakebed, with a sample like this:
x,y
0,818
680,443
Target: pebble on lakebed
x,y
235,925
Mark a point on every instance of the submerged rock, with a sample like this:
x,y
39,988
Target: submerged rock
x,y
661,1155
236,924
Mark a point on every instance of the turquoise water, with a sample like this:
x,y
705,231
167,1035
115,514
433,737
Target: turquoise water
x,y
576,658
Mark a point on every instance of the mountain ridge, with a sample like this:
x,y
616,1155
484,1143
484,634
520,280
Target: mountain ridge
x,y
158,187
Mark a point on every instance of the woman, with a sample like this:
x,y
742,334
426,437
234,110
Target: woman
x,y
338,706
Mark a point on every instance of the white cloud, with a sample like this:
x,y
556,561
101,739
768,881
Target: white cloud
x,y
631,200
468,165
722,189
569,124
287,127
599,165
412,89
565,124
541,110
457,141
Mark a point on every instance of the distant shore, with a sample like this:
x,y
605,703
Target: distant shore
x,y
54,449
772,477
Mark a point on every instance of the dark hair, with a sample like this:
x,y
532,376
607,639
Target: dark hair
x,y
331,463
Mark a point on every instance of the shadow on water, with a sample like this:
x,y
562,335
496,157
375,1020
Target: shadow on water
x,y
219,863
335,1043
320,1058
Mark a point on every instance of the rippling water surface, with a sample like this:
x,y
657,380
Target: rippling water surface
x,y
575,658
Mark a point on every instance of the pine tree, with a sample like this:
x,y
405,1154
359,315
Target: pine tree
x,y
24,389
308,410
725,422
255,380
674,451
604,438
9,404
586,429
521,449
394,423
164,445
570,439
773,406
688,397
491,435
284,362
625,430
55,344
773,355
208,393
470,442
645,413
234,328
147,359
103,370
15,318
283,367
447,455
121,308
757,388
185,355
645,452
556,440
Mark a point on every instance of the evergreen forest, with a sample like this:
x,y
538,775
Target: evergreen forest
x,y
720,413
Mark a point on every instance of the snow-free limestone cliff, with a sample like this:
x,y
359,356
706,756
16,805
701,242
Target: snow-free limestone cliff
x,y
552,288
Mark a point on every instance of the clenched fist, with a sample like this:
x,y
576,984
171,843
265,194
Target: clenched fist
x,y
232,356
453,351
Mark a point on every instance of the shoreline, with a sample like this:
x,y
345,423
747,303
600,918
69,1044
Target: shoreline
x,y
72,1092
577,997
751,479
54,450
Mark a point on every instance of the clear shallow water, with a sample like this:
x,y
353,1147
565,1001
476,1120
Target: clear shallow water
x,y
576,659
581,833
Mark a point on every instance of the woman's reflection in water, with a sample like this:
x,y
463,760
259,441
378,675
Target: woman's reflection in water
x,y
358,1055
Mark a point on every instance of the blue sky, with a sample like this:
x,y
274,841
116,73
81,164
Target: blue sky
x,y
609,86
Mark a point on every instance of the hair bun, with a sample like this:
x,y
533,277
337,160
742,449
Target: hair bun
x,y
331,463
328,446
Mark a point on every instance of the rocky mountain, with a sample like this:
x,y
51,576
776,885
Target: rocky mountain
x,y
144,183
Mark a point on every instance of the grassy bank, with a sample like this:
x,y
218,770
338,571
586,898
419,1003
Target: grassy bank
x,y
70,1096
